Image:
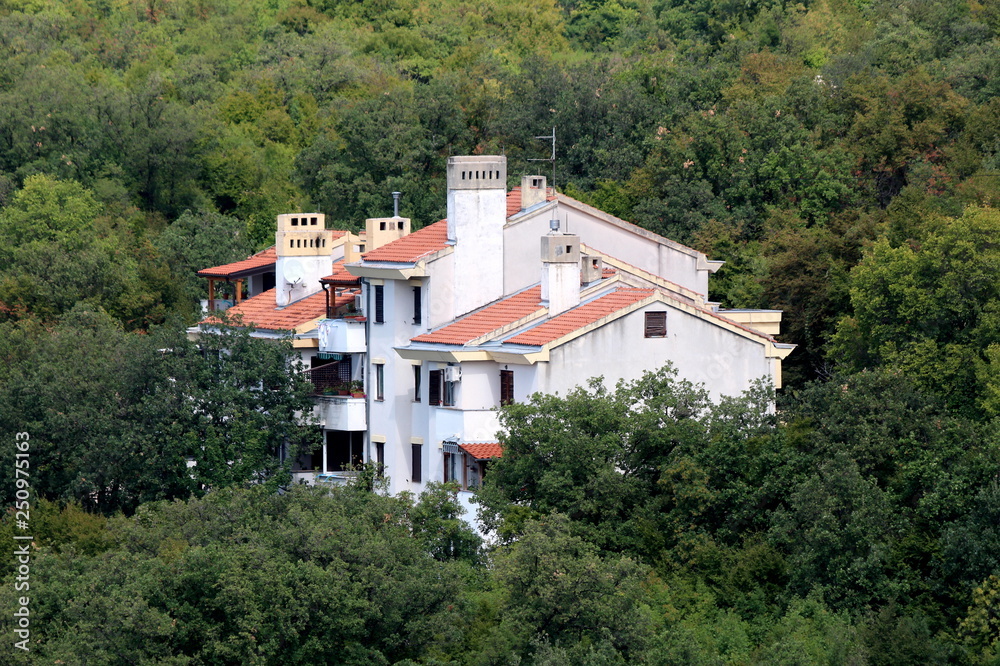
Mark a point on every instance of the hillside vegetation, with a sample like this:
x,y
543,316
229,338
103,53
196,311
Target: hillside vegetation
x,y
843,158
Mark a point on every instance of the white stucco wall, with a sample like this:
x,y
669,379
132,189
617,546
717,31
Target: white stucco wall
x,y
522,264
700,351
312,269
475,222
439,295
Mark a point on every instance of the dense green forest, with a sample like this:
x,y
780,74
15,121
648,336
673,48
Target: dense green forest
x,y
842,156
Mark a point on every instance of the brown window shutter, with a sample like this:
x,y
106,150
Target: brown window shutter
x,y
434,389
656,324
506,387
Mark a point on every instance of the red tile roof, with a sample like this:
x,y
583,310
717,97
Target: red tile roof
x,y
490,318
608,272
580,316
514,199
413,247
261,312
340,275
261,260
483,450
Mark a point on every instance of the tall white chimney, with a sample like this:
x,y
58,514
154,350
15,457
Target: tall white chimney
x,y
560,270
477,211
305,254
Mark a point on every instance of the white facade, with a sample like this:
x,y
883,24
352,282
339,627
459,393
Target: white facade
x,y
483,308
421,441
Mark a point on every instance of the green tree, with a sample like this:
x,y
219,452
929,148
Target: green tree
x,y
557,588
200,240
931,310
115,417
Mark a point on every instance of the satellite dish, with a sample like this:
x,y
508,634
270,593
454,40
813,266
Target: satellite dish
x,y
294,271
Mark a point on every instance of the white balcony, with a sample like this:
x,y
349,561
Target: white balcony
x,y
342,336
341,412
471,425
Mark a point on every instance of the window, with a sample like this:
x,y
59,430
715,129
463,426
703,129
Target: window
x,y
379,304
434,388
506,387
450,463
416,305
656,324
416,383
380,382
380,458
416,452
343,450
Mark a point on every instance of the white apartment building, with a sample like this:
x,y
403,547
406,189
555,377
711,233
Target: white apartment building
x,y
515,292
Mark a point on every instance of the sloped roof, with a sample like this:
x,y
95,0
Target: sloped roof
x,y
261,312
340,275
413,247
254,263
580,316
514,199
483,450
492,317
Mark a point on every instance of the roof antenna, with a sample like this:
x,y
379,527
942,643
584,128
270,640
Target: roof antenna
x,y
549,159
395,203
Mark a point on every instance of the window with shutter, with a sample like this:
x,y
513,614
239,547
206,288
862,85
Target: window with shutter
x,y
434,388
379,304
415,456
506,387
656,324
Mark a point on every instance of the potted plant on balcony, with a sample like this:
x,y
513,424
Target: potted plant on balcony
x,y
357,389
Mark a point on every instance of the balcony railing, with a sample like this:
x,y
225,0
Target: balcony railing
x,y
341,413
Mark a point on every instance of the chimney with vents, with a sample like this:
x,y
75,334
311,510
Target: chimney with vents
x,y
560,270
382,230
477,211
304,249
533,191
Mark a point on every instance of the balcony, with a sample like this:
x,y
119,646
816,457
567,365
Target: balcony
x,y
342,336
341,412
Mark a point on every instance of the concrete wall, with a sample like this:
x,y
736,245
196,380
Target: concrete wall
x,y
476,218
701,352
522,266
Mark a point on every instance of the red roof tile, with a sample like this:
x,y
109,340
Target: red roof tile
x,y
514,199
483,450
261,260
411,248
608,272
261,312
580,316
490,318
340,275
